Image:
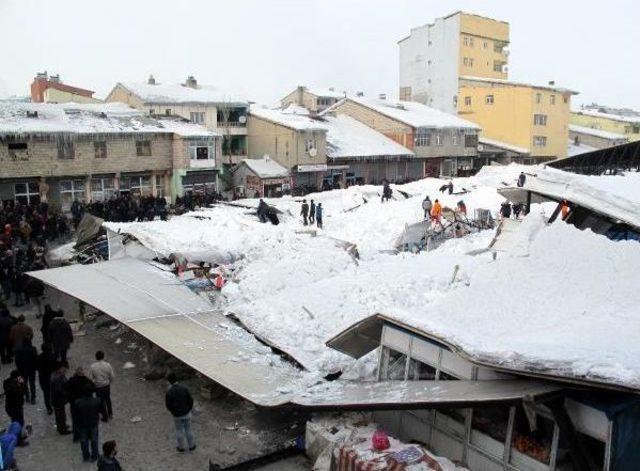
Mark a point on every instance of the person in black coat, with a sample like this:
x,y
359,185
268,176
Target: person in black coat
x,y
179,402
61,336
27,364
14,391
46,366
304,212
75,388
58,383
48,316
6,323
522,178
88,409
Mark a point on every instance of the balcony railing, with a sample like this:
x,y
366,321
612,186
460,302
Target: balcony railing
x,y
231,124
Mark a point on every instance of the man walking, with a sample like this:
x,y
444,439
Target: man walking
x,y
88,409
46,367
6,323
14,391
26,363
101,373
312,213
319,216
304,212
59,399
75,388
61,336
179,402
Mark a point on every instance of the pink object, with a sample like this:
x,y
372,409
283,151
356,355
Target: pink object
x,y
380,440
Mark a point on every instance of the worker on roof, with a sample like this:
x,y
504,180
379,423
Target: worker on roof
x,y
427,204
522,179
436,212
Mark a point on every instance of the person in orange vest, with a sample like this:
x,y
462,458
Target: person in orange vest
x,y
436,211
564,209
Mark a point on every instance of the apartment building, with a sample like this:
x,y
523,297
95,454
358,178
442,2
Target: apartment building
x,y
443,144
313,99
64,152
533,117
293,139
47,88
201,104
622,122
460,64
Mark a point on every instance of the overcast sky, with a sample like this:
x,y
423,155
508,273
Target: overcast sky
x,y
263,49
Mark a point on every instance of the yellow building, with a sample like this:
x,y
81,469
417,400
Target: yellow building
x,y
459,64
629,126
528,116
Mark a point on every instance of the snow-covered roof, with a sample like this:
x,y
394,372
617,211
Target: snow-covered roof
x,y
266,168
503,145
324,92
348,137
613,117
596,132
187,129
518,84
573,149
294,117
412,113
85,118
177,93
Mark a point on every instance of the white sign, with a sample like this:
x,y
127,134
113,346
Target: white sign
x,y
312,168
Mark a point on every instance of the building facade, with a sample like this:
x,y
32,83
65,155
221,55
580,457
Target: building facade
x,y
203,105
315,100
258,178
62,153
47,88
595,138
626,124
443,144
460,64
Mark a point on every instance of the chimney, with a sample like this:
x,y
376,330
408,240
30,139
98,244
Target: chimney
x,y
191,82
42,76
552,83
54,78
382,96
151,80
360,94
300,95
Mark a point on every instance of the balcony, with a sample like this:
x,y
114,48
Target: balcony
x,y
231,124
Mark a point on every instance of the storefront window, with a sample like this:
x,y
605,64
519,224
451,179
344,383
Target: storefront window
x,y
70,191
101,189
141,185
26,193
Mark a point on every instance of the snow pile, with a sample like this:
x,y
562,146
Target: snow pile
x,y
266,167
164,94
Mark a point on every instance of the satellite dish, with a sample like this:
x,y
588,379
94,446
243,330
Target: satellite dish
x,y
242,119
480,147
313,152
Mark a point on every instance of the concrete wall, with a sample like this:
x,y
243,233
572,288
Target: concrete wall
x,y
52,95
595,141
630,130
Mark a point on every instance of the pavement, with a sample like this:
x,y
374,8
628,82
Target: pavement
x,y
227,430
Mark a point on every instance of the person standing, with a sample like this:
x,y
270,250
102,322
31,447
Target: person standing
x,y
6,323
47,317
14,391
101,373
75,388
522,178
19,332
108,460
88,408
436,212
46,366
304,212
59,398
319,215
312,213
61,336
26,363
426,206
179,402
386,191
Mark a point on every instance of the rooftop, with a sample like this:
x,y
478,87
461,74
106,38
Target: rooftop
x,y
266,167
293,117
93,118
413,113
348,137
518,84
596,132
614,117
503,145
325,92
178,93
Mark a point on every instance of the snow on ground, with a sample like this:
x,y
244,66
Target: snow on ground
x,y
557,309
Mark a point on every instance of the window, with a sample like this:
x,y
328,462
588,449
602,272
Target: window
x,y
167,111
455,100
470,61
66,148
100,149
485,44
454,138
309,144
471,140
465,61
635,129
538,97
140,185
143,148
70,191
465,41
540,119
421,371
552,99
439,140
102,189
18,150
565,99
539,141
202,151
489,99
470,42
467,101
497,66
197,117
26,193
423,139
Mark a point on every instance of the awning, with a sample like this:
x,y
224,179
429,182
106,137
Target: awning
x,y
159,307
